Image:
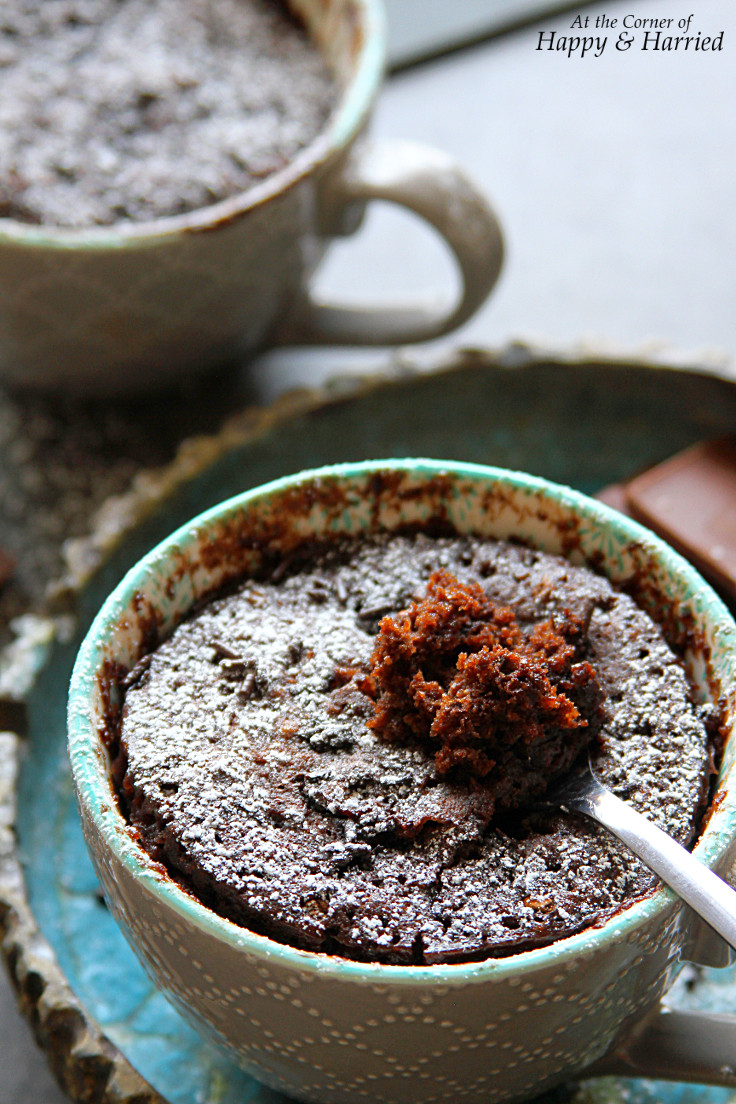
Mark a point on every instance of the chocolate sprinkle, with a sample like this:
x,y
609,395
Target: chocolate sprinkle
x,y
287,812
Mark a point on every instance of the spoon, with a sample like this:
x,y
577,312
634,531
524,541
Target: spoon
x,y
699,887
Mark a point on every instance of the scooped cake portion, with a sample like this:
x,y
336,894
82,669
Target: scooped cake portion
x,y
351,754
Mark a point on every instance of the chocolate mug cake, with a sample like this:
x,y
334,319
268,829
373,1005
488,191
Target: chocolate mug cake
x,y
138,110
295,756
350,753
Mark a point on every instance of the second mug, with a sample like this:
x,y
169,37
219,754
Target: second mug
x,y
134,306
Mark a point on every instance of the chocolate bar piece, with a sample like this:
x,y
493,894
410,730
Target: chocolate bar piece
x,y
690,500
615,495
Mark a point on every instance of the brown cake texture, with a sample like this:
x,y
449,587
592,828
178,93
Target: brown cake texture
x,y
351,756
456,673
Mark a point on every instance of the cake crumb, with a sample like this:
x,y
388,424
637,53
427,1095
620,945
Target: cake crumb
x,y
456,673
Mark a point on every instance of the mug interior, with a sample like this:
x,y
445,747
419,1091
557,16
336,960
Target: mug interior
x,y
351,36
231,539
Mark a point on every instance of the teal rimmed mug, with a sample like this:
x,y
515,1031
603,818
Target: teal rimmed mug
x,y
321,1028
136,306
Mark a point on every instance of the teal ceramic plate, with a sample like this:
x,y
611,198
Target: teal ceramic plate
x,y
582,424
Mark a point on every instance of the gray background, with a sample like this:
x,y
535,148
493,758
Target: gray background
x,y
614,180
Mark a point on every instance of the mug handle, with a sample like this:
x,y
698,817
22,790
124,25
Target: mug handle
x,y
431,184
671,1045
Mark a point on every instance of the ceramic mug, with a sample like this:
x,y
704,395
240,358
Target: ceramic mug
x,y
325,1029
135,306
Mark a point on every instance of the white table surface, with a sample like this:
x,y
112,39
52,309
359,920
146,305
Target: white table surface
x,y
614,178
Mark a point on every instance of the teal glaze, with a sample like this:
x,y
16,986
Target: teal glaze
x,y
167,1051
604,529
507,418
228,977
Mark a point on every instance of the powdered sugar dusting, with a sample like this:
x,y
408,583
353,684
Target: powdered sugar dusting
x,y
137,109
253,774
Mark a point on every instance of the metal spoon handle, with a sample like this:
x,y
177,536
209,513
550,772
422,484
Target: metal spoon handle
x,y
704,891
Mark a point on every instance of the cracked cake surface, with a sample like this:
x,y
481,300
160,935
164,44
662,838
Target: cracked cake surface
x,y
253,762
